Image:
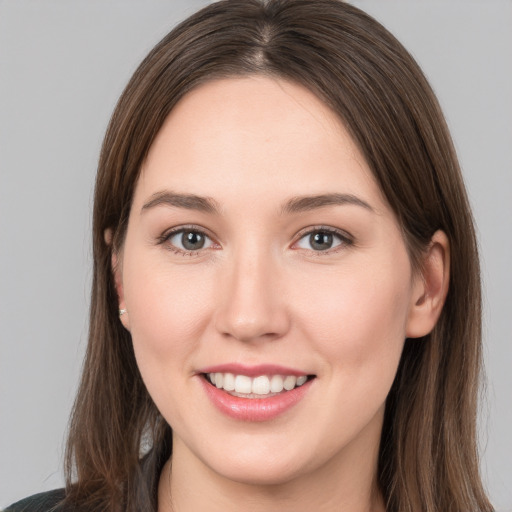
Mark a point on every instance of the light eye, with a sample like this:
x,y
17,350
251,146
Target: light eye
x,y
187,240
321,240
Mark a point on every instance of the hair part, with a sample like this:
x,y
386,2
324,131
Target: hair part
x,y
428,457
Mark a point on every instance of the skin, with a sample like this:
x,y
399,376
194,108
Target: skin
x,y
258,292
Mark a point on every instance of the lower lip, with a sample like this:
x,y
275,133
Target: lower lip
x,y
254,409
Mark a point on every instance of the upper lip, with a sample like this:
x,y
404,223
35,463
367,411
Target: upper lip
x,y
253,370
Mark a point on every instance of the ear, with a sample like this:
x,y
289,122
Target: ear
x,y
430,288
116,267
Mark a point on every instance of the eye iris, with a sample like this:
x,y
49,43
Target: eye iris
x,y
192,240
321,241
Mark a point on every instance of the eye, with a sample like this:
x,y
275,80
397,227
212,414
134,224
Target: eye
x,y
189,240
322,240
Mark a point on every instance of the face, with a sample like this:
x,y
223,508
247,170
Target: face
x,y
267,286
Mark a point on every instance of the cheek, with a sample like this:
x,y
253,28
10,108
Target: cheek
x,y
167,319
357,317
168,311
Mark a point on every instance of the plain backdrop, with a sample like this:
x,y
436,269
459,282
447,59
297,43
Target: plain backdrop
x,y
62,67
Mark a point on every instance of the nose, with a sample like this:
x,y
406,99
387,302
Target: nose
x,y
251,304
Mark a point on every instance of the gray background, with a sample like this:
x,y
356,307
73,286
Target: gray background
x,y
62,66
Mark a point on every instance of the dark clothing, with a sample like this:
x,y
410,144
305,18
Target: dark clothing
x,y
144,480
42,502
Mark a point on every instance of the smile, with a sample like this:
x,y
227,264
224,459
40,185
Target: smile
x,y
257,393
255,387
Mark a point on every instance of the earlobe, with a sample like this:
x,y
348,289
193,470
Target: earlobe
x,y
107,236
430,288
118,280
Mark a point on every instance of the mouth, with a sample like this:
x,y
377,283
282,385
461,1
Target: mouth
x,y
258,387
256,393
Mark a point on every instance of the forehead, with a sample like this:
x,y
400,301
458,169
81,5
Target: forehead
x,y
254,136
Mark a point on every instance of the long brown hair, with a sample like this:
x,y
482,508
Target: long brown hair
x,y
428,458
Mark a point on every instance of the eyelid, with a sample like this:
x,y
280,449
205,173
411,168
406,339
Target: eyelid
x,y
169,233
346,238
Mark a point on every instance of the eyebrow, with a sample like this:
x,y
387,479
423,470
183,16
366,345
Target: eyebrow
x,y
307,203
187,201
294,205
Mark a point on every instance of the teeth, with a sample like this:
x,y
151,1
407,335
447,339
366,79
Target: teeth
x,y
276,384
289,382
229,382
261,385
301,380
243,384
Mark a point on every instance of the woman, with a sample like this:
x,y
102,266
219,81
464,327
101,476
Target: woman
x,y
286,302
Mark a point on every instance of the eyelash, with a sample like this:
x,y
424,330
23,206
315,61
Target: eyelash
x,y
345,239
165,239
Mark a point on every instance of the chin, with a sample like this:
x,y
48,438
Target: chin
x,y
263,464
260,475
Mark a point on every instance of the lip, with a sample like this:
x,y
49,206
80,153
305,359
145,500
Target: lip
x,y
252,371
253,409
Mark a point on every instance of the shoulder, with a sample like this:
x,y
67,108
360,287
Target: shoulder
x,y
42,502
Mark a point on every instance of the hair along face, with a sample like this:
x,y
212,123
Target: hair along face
x,y
428,458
